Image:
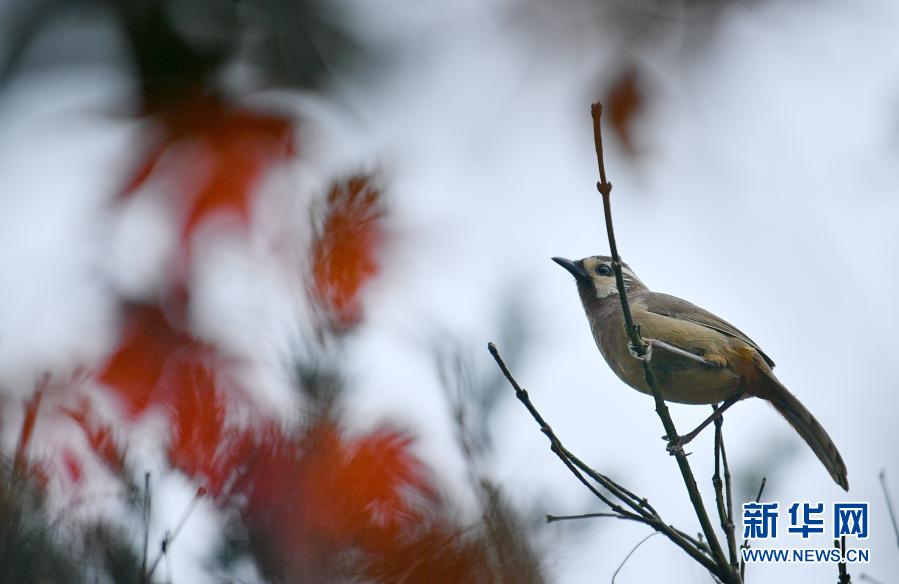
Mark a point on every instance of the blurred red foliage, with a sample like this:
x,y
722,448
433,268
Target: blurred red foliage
x,y
318,503
31,409
325,506
99,438
201,445
345,253
72,465
136,371
228,149
624,103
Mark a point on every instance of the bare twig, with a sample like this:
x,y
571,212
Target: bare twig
x,y
555,518
729,493
723,493
840,544
604,187
144,577
745,546
886,495
169,537
630,553
758,496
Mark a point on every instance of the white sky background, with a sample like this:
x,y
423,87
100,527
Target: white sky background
x,y
766,193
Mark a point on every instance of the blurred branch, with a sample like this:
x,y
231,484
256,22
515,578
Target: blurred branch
x,y
510,556
145,516
639,347
169,537
886,495
33,548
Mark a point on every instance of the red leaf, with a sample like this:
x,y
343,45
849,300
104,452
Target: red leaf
x,y
380,473
309,499
72,465
344,256
229,149
31,408
135,369
438,553
198,420
99,438
624,102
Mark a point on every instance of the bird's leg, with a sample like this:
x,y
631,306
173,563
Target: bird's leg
x,y
678,444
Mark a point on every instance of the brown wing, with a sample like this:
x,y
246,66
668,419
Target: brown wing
x,y
674,307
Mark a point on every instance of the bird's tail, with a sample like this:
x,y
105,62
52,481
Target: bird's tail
x,y
805,424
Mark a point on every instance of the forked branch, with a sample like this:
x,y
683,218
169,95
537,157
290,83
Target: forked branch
x,y
623,503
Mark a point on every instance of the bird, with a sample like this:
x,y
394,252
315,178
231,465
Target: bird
x,y
695,356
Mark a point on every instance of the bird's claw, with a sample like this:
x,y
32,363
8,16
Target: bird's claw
x,y
647,351
675,447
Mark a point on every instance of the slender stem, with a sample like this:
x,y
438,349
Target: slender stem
x,y
169,537
886,495
844,577
758,497
725,508
555,518
729,493
144,577
630,553
639,346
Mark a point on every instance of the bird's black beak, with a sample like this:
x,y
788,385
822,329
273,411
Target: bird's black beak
x,y
576,269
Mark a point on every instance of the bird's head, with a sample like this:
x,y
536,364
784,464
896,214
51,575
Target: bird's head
x,y
596,278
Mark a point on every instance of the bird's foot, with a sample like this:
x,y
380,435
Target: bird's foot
x,y
676,447
635,353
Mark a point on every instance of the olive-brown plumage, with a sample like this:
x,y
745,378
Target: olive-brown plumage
x,y
732,366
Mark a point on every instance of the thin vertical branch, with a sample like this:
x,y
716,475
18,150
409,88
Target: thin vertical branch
x,y
840,544
639,347
729,493
886,495
723,493
745,545
144,577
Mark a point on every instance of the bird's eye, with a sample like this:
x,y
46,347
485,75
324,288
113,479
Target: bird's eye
x,y
603,270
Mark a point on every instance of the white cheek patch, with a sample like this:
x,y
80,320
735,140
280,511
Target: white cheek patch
x,y
604,290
